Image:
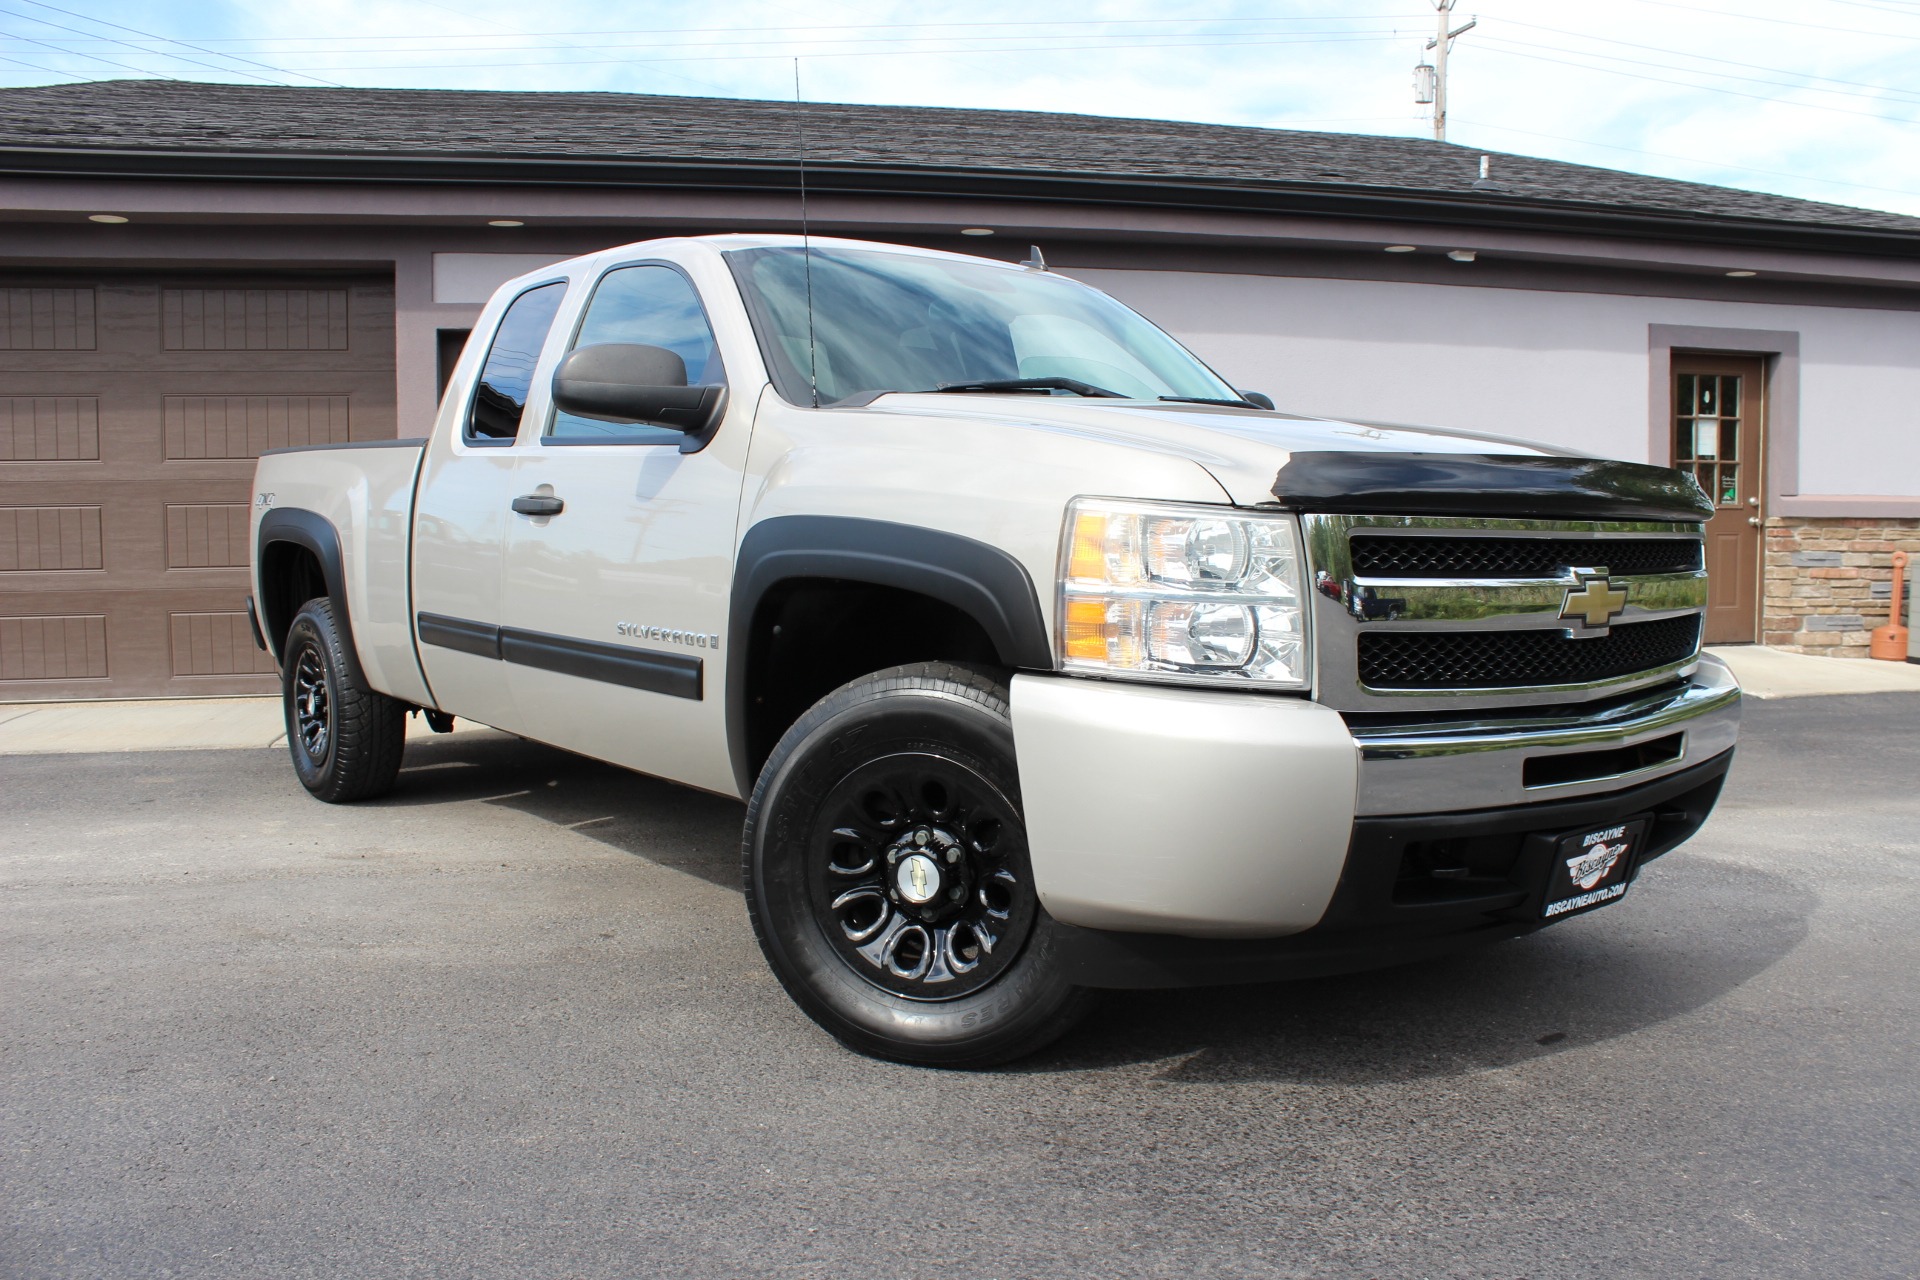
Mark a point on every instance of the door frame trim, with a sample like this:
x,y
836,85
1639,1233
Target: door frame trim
x,y
1780,350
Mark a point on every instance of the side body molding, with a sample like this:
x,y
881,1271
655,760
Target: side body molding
x,y
982,581
317,534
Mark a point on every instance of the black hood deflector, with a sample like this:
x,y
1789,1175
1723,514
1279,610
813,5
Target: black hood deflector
x,y
1515,486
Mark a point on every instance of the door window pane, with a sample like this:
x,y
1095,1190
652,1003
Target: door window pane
x,y
1706,436
653,306
501,397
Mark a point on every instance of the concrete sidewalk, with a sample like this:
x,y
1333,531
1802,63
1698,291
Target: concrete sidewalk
x,y
211,724
1774,673
157,724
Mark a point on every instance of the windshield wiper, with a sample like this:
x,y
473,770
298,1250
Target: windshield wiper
x,y
1224,404
1074,385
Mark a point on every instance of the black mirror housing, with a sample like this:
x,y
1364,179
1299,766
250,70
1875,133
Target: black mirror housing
x,y
1258,398
630,382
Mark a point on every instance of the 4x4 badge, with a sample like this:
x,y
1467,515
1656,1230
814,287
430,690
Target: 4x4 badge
x,y
1596,601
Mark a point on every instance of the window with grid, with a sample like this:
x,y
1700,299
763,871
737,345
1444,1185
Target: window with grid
x,y
1706,436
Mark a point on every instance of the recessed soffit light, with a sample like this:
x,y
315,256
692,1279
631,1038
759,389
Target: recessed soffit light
x,y
505,222
1742,275
1402,248
976,231
105,217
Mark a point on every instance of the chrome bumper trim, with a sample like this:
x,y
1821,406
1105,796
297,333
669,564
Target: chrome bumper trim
x,y
1459,765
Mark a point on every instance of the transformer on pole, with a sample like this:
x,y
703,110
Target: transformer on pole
x,y
1430,81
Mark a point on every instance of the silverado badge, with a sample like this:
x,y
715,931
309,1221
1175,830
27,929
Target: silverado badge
x,y
1596,601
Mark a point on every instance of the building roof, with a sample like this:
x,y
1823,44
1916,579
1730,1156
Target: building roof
x,y
131,127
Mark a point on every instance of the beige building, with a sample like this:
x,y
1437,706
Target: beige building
x,y
190,274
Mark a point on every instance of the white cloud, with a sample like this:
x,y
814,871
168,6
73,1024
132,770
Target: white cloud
x,y
1634,85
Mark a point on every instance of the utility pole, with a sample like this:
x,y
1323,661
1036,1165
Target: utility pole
x,y
1440,44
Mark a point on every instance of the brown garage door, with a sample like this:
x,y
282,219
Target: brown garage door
x,y
131,410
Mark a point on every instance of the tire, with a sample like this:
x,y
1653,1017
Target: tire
x,y
888,879
345,739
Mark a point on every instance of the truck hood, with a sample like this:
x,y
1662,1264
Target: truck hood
x,y
1243,449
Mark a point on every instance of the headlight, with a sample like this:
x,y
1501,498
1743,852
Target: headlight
x,y
1190,594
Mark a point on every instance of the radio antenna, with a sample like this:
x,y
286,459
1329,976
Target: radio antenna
x,y
806,241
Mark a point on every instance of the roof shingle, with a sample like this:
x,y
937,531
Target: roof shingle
x,y
152,116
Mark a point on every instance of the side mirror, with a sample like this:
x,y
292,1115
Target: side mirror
x,y
628,382
1259,398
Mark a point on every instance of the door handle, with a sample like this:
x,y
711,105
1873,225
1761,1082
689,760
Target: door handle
x,y
538,504
1754,521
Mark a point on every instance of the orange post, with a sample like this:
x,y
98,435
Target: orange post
x,y
1890,642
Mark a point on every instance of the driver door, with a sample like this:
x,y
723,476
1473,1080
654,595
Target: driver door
x,y
616,604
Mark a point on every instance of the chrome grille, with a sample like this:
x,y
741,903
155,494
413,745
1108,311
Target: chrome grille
x,y
1418,613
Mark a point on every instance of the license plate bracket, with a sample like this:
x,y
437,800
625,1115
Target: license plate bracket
x,y
1592,868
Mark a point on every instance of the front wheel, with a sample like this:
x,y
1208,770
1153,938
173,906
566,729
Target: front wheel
x,y
888,879
345,738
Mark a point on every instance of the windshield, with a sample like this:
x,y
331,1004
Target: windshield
x,y
901,322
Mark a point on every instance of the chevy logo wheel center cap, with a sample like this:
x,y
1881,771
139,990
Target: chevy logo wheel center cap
x,y
1596,601
917,877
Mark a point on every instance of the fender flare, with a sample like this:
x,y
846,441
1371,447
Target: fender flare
x,y
315,533
982,581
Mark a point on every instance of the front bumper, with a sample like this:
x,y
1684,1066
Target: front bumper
x,y
1388,910
1427,766
1190,812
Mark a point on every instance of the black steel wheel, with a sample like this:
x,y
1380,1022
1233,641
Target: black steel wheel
x,y
345,738
888,877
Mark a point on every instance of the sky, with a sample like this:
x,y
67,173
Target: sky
x,y
1812,98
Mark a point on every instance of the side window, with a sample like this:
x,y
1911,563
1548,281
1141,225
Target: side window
x,y
501,397
657,307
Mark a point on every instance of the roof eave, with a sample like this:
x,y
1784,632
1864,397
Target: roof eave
x,y
1331,200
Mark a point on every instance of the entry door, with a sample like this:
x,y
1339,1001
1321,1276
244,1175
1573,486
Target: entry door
x,y
1719,428
616,604
460,522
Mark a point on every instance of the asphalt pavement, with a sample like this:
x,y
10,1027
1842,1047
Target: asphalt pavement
x,y
511,1023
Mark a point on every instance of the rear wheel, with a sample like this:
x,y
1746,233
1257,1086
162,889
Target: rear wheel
x,y
345,739
887,873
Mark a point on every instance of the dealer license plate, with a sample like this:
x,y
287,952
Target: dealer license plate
x,y
1590,868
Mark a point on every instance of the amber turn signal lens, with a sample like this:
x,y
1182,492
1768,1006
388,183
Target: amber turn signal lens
x,y
1087,629
1089,557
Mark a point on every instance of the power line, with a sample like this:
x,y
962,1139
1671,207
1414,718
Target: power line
x,y
13,13
1702,57
1492,47
38,4
862,26
1899,95
672,75
791,42
49,70
857,53
124,66
1785,22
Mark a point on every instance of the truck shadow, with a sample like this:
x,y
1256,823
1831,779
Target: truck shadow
x,y
1695,929
663,822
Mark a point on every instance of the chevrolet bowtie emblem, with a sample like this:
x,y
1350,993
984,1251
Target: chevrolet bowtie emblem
x,y
1596,601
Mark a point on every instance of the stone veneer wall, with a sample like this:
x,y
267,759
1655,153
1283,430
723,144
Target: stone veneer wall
x,y
1828,581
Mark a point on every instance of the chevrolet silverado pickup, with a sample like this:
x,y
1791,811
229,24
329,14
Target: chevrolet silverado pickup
x,y
1044,659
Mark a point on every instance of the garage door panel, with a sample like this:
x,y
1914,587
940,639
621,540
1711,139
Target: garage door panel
x,y
47,318
49,539
44,648
126,468
49,429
